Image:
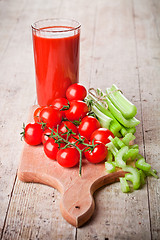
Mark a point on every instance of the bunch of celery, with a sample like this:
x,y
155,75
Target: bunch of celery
x,y
122,155
114,111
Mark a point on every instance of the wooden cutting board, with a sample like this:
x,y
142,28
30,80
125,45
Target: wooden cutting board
x,y
77,203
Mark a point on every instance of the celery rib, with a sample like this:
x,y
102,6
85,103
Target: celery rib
x,y
124,130
127,109
110,167
103,119
115,126
128,138
112,148
131,154
109,157
133,176
129,123
124,185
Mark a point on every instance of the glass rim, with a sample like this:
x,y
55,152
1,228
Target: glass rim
x,y
56,31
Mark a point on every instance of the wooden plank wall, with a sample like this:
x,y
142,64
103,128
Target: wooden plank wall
x,y
120,43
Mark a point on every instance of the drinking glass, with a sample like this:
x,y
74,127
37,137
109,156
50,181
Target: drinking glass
x,y
56,45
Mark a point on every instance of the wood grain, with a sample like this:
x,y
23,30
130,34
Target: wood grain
x,y
148,50
120,44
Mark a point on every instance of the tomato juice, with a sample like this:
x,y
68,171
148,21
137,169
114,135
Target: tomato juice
x,y
56,55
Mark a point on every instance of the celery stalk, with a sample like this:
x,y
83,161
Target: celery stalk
x,y
128,138
119,142
112,148
110,167
103,119
129,123
133,176
115,126
119,157
142,177
135,146
124,130
127,109
124,185
113,140
109,157
131,153
141,164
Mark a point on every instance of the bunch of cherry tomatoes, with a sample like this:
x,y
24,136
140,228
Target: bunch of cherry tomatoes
x,y
66,130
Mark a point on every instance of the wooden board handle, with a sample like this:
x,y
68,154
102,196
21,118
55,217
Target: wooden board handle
x,y
75,207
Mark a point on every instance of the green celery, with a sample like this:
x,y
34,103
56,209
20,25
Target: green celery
x,y
127,109
113,140
124,130
128,138
133,176
131,154
146,167
119,142
142,177
118,134
103,119
151,172
110,167
129,123
109,157
119,157
112,148
134,146
115,126
131,130
141,164
124,185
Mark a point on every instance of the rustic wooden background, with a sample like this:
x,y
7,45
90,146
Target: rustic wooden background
x,y
120,43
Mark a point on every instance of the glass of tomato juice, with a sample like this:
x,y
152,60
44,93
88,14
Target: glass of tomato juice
x,y
56,45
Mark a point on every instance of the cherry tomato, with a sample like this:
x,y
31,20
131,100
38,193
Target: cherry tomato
x,y
51,148
78,110
45,135
68,157
81,146
76,92
59,103
88,125
36,114
98,154
51,116
62,128
102,134
33,134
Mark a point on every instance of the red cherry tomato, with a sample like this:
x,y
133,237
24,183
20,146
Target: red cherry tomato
x,y
76,92
78,110
88,125
68,157
98,154
51,116
59,103
36,114
62,128
33,134
45,135
51,148
81,146
101,135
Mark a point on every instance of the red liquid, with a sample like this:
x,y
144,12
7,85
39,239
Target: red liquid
x,y
56,65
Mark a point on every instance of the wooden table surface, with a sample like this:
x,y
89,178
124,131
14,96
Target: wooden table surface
x,y
120,43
